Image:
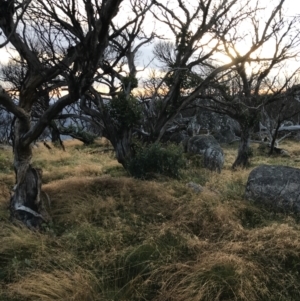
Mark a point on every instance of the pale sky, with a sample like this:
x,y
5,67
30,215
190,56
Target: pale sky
x,y
292,6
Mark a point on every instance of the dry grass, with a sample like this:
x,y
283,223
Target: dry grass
x,y
117,238
71,285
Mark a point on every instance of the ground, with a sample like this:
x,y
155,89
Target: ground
x,y
117,238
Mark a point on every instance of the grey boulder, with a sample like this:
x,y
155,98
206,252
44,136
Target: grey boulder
x,y
200,143
209,147
214,159
222,127
277,187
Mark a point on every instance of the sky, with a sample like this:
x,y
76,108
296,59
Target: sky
x,y
292,6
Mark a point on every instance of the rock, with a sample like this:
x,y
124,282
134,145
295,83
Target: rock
x,y
214,159
178,137
195,187
193,127
277,187
284,153
208,146
222,127
225,135
199,144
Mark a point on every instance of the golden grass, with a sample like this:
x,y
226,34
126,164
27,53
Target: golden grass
x,y
118,238
71,285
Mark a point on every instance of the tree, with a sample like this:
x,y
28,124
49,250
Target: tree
x,y
204,35
12,76
257,77
275,114
5,125
189,63
63,40
118,110
19,9
195,30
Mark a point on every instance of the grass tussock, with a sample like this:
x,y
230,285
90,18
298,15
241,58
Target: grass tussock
x,y
117,238
57,285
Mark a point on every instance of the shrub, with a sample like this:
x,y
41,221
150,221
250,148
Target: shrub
x,y
157,159
125,110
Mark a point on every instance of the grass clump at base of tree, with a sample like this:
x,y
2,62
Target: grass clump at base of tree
x,y
119,238
6,166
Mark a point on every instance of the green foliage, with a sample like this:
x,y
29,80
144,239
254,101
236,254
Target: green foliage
x,y
125,110
188,79
234,189
115,171
157,159
252,217
130,80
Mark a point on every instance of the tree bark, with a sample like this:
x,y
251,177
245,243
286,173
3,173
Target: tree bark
x,y
122,146
242,159
55,135
274,137
25,203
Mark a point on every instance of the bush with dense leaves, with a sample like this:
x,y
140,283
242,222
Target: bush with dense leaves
x,y
125,110
157,159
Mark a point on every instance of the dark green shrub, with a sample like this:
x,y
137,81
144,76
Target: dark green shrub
x,y
125,110
157,159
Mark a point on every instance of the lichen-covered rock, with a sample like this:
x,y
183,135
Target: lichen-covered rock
x,y
178,137
214,159
222,127
277,187
208,146
199,144
225,135
197,188
193,127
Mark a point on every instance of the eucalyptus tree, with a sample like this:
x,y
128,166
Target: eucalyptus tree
x,y
189,52
190,55
254,40
116,109
62,42
18,8
286,109
5,126
69,122
193,34
269,47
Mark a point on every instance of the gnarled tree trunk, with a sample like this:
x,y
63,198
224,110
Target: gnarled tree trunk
x,y
55,134
242,159
25,203
122,146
